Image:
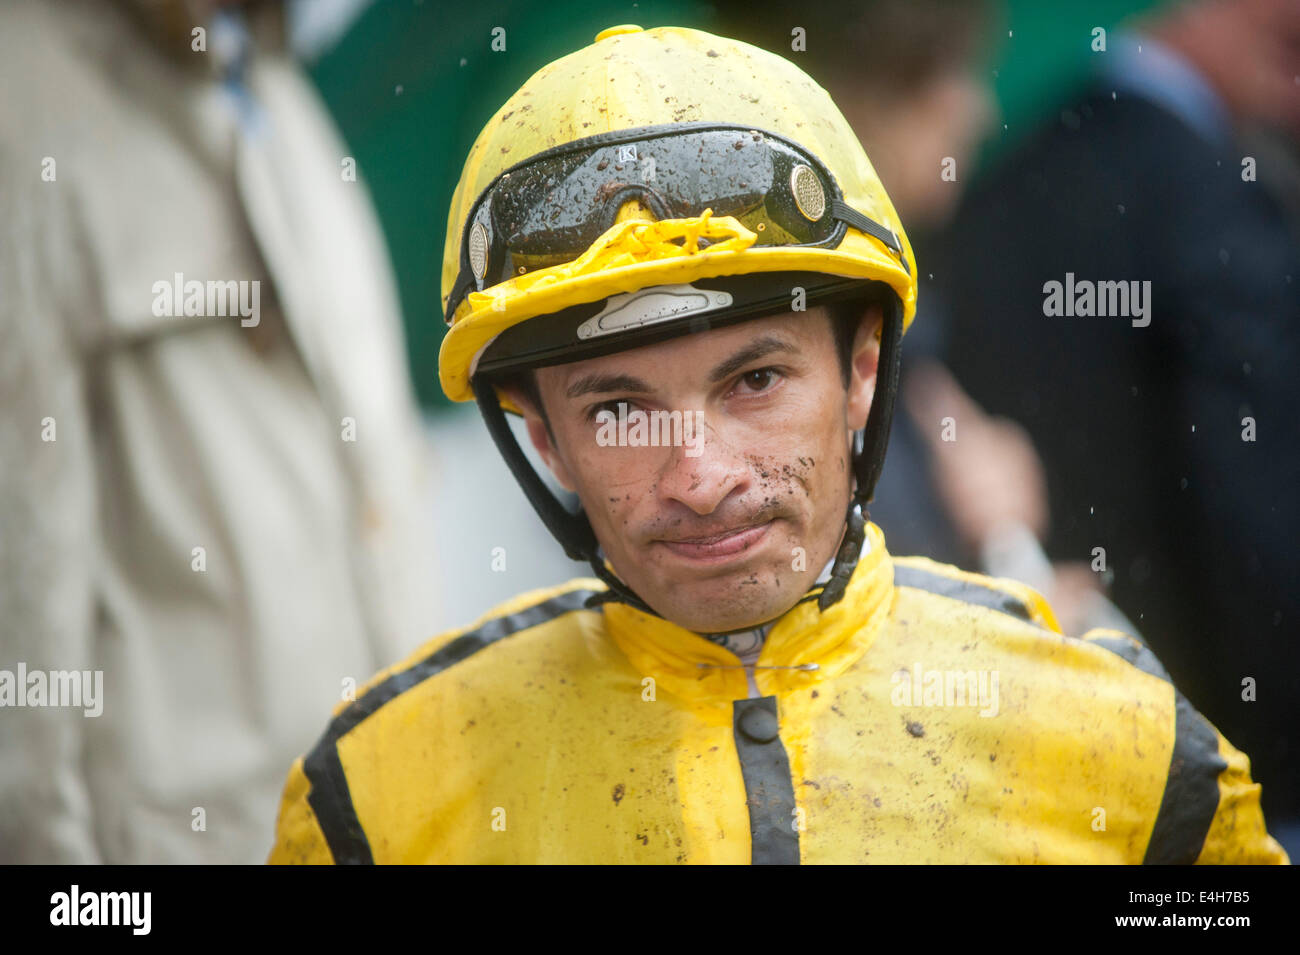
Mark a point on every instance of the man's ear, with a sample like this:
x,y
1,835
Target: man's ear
x,y
541,436
863,365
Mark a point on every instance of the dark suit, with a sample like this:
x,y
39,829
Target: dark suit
x,y
1141,428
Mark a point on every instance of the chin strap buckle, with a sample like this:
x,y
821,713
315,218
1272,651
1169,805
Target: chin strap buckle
x,y
846,558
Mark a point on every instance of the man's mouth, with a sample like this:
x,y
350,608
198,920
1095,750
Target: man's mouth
x,y
721,546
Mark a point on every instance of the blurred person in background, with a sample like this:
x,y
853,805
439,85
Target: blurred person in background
x,y
960,485
222,513
1169,437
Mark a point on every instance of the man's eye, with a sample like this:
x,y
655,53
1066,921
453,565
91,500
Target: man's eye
x,y
760,379
610,406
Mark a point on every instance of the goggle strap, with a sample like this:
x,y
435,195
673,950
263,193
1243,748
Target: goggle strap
x,y
847,214
464,282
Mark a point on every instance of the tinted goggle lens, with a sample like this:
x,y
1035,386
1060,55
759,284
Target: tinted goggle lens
x,y
549,210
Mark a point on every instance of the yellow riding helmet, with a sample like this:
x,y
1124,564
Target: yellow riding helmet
x,y
651,160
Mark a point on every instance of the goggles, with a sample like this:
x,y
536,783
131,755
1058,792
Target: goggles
x,y
549,209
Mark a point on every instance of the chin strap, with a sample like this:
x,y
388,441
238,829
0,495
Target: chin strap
x,y
574,532
868,454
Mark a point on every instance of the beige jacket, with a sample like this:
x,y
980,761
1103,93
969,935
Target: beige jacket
x,y
119,168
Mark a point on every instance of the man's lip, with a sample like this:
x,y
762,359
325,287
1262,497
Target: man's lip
x,y
713,538
719,546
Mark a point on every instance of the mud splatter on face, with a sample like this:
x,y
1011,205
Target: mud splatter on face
x,y
782,478
764,469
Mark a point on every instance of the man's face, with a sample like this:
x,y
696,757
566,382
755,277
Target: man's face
x,y
731,526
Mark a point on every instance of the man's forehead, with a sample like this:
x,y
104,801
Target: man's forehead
x,y
699,351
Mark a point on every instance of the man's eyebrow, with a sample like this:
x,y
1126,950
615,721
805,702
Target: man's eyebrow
x,y
758,348
598,384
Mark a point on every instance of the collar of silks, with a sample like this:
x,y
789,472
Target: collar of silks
x,y
804,646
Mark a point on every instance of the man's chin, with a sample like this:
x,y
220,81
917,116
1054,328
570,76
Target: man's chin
x,y
714,623
719,605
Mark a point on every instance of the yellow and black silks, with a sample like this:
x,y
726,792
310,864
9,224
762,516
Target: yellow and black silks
x,y
551,733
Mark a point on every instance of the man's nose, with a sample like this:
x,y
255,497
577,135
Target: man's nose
x,y
703,472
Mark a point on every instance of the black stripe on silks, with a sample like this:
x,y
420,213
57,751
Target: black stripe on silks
x,y
330,797
769,790
1191,793
963,590
1135,652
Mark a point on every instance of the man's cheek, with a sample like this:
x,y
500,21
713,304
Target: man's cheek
x,y
614,496
615,469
